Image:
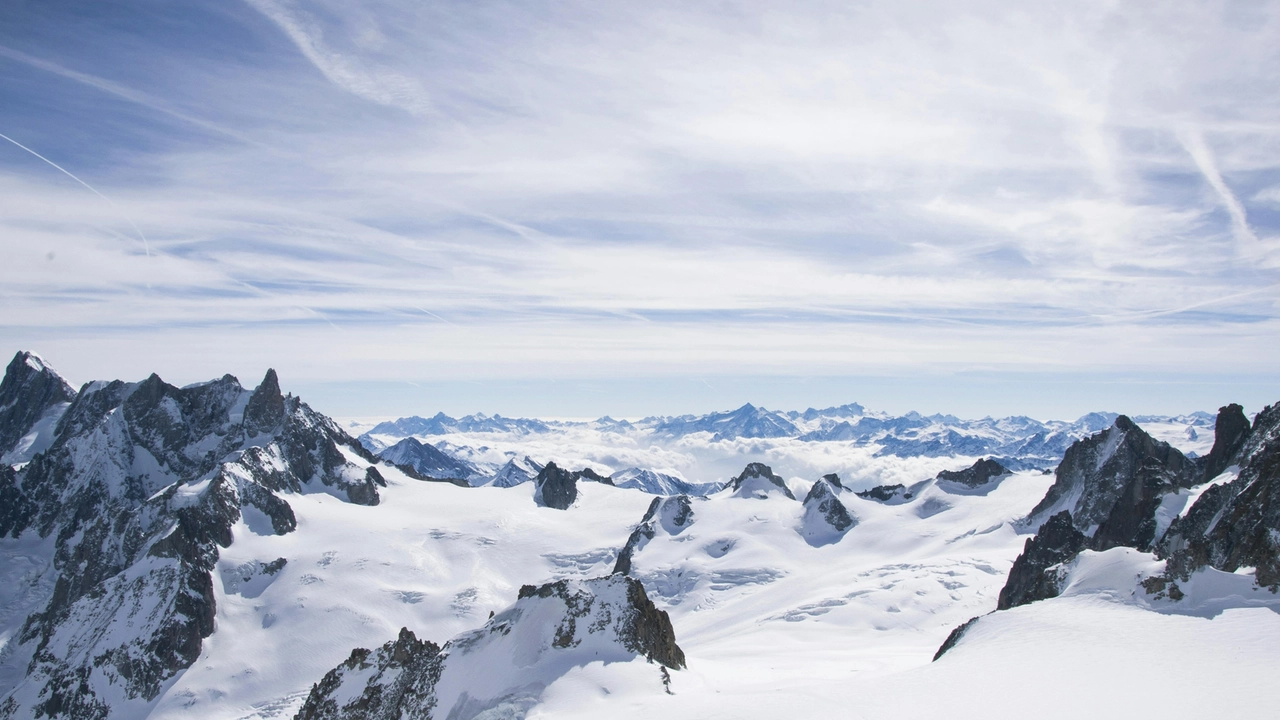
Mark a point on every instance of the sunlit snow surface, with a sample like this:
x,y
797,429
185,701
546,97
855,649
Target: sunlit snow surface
x,y
771,626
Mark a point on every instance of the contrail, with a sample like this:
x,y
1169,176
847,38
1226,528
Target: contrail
x,y
145,245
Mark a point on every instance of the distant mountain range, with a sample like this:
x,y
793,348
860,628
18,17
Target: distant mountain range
x,y
1018,442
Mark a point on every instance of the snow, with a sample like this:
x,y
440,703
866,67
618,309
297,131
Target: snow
x,y
38,438
777,616
771,626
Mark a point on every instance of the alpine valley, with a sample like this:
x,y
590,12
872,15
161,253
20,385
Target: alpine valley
x,y
220,551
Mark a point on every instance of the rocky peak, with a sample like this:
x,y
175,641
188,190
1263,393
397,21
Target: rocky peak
x,y
826,519
1112,482
266,408
550,630
1230,433
30,391
758,480
980,473
556,488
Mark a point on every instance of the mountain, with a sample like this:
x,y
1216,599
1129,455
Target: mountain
x,y
428,460
1127,510
656,483
32,399
132,501
515,472
747,421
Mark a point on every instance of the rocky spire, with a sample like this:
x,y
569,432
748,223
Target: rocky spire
x,y
265,409
557,488
1229,435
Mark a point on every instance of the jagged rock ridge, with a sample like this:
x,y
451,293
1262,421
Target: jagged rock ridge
x,y
977,475
141,486
501,669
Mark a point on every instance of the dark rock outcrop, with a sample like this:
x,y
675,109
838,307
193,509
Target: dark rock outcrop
x,y
1230,433
885,493
29,390
1237,524
641,534
1033,576
977,475
756,479
556,488
955,637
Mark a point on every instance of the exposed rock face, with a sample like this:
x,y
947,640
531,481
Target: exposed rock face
x,y
556,488
30,393
399,682
825,519
1235,525
834,479
1112,482
1033,576
886,493
758,480
428,460
955,637
1229,436
501,669
141,486
979,474
640,535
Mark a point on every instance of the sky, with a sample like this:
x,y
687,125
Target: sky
x,y
589,208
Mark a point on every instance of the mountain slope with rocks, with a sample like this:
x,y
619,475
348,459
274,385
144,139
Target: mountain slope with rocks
x,y
501,669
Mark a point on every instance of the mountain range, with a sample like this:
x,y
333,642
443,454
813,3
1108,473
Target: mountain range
x,y
225,552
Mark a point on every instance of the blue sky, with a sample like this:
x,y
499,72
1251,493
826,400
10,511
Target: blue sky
x,y
632,208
